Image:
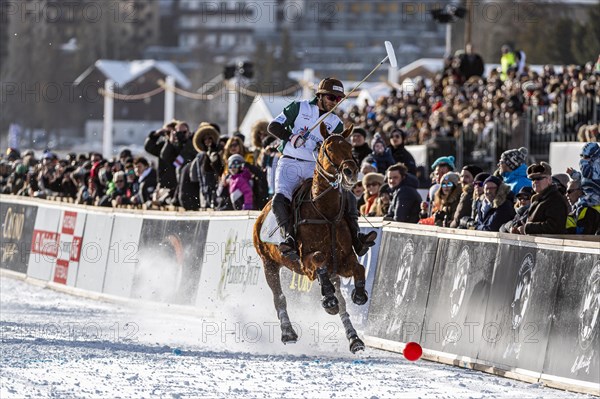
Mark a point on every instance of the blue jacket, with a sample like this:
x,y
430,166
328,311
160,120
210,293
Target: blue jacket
x,y
382,161
517,179
502,211
406,201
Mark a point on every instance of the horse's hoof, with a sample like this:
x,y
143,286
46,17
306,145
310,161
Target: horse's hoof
x,y
360,297
331,305
288,335
356,344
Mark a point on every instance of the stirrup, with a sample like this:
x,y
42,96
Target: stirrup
x,y
288,249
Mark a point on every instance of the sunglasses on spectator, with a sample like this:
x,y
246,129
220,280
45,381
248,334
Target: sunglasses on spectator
x,y
331,97
478,183
573,190
234,144
448,184
372,184
538,178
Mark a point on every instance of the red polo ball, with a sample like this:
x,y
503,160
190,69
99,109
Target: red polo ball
x,y
412,351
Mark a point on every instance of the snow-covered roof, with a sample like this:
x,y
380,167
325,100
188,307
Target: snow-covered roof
x,y
123,72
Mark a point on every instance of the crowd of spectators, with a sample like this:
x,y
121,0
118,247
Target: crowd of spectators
x,y
204,169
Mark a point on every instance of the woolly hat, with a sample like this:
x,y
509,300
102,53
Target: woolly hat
x,y
377,139
525,191
481,177
514,158
452,177
493,179
474,170
542,169
235,160
204,130
360,130
372,178
561,179
384,189
591,150
444,160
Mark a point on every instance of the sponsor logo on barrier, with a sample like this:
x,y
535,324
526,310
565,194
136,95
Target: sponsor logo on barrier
x,y
520,302
523,289
13,225
403,278
69,248
44,243
589,311
459,286
237,270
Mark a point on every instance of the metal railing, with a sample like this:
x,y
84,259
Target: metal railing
x,y
534,129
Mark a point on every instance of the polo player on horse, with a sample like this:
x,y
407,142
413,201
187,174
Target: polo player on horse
x,y
299,147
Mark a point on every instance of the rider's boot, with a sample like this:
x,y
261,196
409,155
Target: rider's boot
x,y
282,209
360,242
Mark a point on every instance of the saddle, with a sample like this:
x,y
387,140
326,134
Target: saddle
x,y
271,231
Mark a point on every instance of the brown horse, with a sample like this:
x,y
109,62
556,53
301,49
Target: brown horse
x,y
323,236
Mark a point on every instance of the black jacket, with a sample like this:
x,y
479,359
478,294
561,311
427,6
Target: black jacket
x,y
166,171
401,154
359,153
406,201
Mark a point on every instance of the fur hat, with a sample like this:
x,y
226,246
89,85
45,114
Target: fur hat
x,y
514,158
542,169
474,170
493,179
444,160
372,178
204,130
331,86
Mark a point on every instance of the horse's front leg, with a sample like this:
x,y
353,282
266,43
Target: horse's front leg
x,y
359,293
288,335
317,262
356,344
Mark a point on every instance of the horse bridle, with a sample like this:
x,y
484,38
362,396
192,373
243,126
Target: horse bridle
x,y
333,179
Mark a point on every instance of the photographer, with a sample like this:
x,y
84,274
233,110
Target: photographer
x,y
207,167
179,151
154,145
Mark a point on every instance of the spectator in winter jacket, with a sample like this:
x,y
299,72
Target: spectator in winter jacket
x,y
467,177
446,199
381,157
589,175
360,148
207,167
440,167
179,151
497,207
549,208
371,182
522,205
513,170
146,181
238,181
399,153
582,220
154,144
405,197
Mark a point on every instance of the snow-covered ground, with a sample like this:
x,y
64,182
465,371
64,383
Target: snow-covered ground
x,y
58,345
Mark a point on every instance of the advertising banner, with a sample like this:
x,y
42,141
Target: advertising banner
x,y
95,250
69,247
460,285
401,286
574,347
44,243
232,274
17,230
169,260
517,322
123,255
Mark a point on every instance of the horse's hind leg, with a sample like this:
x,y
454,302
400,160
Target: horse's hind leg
x,y
329,300
356,344
288,335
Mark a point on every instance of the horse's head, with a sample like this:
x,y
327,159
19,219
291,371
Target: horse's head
x,y
335,158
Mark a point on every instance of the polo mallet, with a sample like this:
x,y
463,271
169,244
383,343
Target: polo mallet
x,y
391,56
